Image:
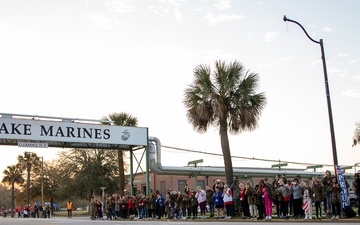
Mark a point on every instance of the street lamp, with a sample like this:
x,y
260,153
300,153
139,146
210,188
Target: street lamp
x,y
103,197
321,43
195,162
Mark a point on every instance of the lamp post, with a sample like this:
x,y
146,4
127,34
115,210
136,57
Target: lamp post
x,y
332,133
103,197
195,162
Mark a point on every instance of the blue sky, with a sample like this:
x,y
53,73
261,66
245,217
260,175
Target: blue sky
x,y
86,59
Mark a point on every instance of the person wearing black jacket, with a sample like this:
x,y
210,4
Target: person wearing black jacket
x,y
357,188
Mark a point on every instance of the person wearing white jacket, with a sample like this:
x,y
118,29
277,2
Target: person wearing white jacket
x,y
307,201
228,200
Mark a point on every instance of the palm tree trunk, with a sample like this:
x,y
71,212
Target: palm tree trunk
x,y
224,139
12,199
121,172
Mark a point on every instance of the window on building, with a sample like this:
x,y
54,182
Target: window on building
x,y
181,185
144,189
162,187
201,183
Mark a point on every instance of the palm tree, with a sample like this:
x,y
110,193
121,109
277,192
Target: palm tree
x,y
13,174
356,134
226,100
26,162
122,119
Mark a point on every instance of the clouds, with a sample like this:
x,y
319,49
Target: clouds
x,y
215,13
223,4
327,29
270,36
216,19
100,20
120,6
353,61
351,93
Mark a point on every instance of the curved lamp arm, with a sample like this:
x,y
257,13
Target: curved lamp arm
x,y
293,21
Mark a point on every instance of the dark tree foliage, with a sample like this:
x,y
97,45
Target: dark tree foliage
x,y
84,171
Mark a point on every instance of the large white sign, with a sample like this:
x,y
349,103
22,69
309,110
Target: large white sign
x,y
38,130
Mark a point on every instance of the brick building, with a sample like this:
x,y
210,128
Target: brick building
x,y
178,182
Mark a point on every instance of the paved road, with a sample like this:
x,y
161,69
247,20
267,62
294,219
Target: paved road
x,y
86,220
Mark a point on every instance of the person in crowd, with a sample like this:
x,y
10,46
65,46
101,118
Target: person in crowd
x,y
17,210
291,204
218,184
142,207
117,206
297,198
36,210
219,203
69,208
210,201
150,205
318,196
201,199
41,210
227,198
3,212
99,210
28,210
244,201
22,211
275,185
335,199
356,185
193,204
307,200
48,210
236,197
135,210
284,191
124,207
184,205
111,208
160,205
250,194
177,208
259,202
268,195
326,181
168,206
92,208
130,204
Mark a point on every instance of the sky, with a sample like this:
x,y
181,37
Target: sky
x,y
87,59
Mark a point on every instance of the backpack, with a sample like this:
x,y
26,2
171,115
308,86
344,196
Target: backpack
x,y
349,211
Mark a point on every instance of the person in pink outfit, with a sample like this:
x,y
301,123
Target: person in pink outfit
x,y
268,195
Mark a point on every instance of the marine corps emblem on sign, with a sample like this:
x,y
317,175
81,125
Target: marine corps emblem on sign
x,y
125,136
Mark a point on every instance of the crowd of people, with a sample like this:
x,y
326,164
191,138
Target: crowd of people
x,y
288,198
36,210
